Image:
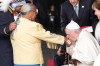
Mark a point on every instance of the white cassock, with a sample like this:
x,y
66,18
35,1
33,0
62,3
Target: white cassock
x,y
97,61
97,32
86,49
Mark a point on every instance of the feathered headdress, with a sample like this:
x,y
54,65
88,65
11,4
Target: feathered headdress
x,y
4,4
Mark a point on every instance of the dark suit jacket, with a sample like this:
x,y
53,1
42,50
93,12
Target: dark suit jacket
x,y
85,16
6,53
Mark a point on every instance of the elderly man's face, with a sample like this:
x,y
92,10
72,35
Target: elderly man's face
x,y
73,2
71,35
33,14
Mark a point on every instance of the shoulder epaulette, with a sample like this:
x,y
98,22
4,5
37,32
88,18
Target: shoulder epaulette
x,y
10,9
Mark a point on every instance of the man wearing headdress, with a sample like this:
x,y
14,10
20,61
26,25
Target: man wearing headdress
x,y
16,7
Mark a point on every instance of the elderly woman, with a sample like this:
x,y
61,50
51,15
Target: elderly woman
x,y
26,40
96,8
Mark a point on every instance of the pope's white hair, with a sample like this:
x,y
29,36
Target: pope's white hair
x,y
4,5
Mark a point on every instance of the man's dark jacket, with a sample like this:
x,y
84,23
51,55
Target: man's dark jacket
x,y
85,16
6,53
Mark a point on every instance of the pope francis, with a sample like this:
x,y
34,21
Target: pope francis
x,y
26,39
85,49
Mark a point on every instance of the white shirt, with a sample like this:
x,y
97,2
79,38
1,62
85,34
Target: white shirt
x,y
76,8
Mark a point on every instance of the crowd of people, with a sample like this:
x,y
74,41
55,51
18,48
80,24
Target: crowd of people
x,y
21,34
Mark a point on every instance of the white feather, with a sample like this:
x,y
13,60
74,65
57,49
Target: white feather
x,y
4,5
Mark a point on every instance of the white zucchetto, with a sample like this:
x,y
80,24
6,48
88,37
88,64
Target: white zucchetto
x,y
72,25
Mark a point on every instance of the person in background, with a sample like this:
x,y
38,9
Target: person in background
x,y
16,7
79,11
53,22
84,48
96,8
61,58
26,40
7,25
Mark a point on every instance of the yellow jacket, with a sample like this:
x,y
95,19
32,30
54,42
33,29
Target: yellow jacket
x,y
26,42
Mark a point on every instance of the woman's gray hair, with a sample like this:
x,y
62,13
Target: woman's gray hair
x,y
26,8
